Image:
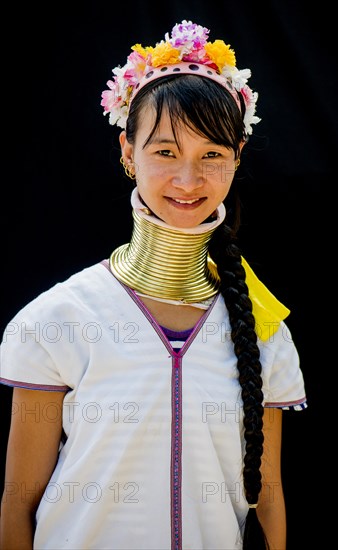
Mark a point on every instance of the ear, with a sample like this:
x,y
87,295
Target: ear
x,y
126,148
241,145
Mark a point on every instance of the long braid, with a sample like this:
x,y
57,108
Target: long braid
x,y
227,256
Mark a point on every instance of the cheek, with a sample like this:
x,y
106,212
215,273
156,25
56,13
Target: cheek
x,y
223,183
219,175
147,174
226,172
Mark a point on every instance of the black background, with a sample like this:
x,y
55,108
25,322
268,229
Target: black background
x,y
65,199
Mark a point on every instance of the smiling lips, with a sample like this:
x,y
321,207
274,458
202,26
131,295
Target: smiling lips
x,y
186,202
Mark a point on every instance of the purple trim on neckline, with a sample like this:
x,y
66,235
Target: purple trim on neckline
x,y
160,331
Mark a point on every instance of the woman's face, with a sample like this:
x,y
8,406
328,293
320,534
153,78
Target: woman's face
x,y
181,187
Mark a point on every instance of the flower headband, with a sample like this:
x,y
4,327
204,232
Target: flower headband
x,y
187,51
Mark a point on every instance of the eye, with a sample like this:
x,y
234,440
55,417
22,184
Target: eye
x,y
212,154
165,153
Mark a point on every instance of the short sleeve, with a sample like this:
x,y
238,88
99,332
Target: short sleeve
x,y
283,381
26,364
25,360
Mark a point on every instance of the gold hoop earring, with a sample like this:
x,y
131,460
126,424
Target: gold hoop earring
x,y
237,163
127,169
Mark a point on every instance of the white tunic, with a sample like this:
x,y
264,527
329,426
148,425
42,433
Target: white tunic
x,y
154,447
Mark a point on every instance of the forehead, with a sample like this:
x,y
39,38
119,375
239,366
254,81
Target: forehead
x,y
167,129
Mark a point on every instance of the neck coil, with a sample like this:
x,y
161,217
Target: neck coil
x,y
167,262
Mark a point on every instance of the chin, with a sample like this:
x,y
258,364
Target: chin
x,y
185,224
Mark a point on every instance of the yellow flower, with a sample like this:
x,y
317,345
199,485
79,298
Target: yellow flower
x,y
141,50
220,53
164,54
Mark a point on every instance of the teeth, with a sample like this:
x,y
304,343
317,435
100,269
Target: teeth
x,y
186,202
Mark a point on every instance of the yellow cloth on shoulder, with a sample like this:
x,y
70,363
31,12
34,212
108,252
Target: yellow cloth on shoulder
x,y
268,311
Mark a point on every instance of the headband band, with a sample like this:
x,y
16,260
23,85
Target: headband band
x,y
186,51
185,68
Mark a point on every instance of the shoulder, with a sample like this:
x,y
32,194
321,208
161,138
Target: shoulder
x,y
76,292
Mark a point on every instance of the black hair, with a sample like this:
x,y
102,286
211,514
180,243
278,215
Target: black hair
x,y
197,102
210,110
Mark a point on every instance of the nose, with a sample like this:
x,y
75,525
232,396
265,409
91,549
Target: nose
x,y
189,177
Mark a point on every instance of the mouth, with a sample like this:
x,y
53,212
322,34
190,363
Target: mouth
x,y
186,203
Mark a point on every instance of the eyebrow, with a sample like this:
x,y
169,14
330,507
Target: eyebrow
x,y
158,141
163,140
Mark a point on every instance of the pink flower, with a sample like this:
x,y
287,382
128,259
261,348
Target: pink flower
x,y
247,95
109,97
134,68
199,56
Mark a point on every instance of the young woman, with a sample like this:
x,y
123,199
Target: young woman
x,y
149,388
